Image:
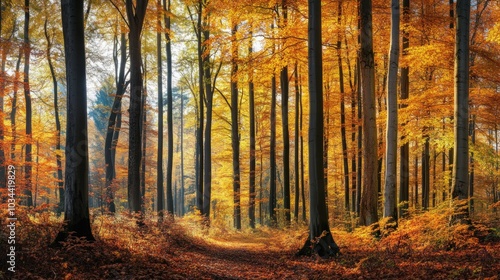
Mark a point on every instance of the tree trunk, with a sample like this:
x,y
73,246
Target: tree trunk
x,y
13,112
368,207
182,157
302,169
135,15
27,97
272,185
114,123
159,156
460,174
60,182
320,238
209,93
345,159
251,101
76,211
426,174
235,137
390,199
199,129
296,144
404,163
284,82
170,127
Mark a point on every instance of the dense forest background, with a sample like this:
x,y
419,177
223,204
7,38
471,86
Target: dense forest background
x,y
208,113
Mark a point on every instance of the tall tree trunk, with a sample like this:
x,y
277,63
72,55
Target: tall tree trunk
x,y
114,121
251,101
404,163
144,134
390,199
235,137
159,156
170,127
296,143
182,157
302,169
60,182
209,93
135,15
272,184
318,220
76,210
426,158
27,97
13,112
199,129
368,207
461,126
345,159
284,82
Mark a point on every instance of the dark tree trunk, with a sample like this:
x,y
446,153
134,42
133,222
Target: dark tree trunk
x,y
368,207
426,175
320,238
272,183
302,169
472,168
27,96
170,127
76,211
60,182
135,15
144,135
460,174
404,150
251,101
296,144
199,129
114,122
160,194
13,112
284,82
345,156
235,137
390,191
182,157
209,93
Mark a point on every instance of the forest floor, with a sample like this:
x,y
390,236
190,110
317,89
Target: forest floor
x,y
422,248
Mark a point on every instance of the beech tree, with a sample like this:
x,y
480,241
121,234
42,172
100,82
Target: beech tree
x,y
135,15
390,199
368,206
460,174
76,210
320,237
27,97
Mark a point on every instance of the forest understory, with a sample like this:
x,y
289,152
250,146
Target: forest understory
x,y
423,247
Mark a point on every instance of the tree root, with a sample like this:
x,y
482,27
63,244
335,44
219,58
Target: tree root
x,y
323,245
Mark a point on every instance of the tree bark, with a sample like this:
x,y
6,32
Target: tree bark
x,y
27,96
284,82
320,237
296,144
159,156
390,199
404,163
76,211
460,174
135,15
235,137
170,127
272,184
114,123
368,207
251,101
